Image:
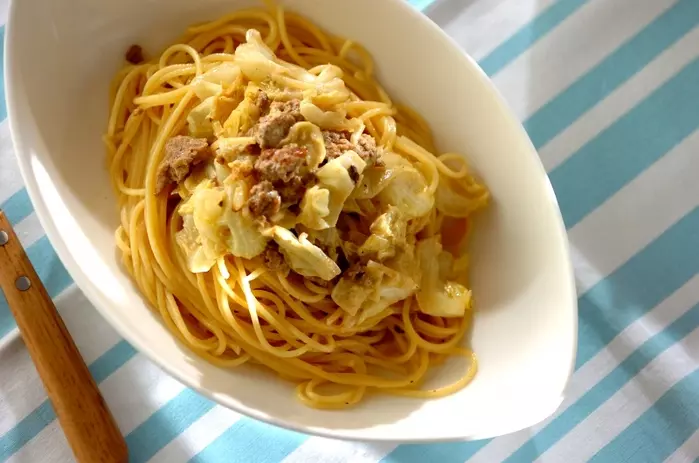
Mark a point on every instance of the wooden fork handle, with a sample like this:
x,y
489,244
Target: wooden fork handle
x,y
86,421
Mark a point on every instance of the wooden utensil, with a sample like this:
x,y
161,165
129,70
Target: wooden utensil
x,y
86,421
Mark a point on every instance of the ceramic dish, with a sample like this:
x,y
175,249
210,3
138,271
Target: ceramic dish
x,y
60,57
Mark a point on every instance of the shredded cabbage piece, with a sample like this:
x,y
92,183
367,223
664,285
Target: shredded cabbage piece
x,y
328,120
329,209
334,178
303,256
259,63
245,239
355,288
230,147
213,81
406,189
371,290
199,236
245,115
315,207
199,119
309,136
387,235
437,295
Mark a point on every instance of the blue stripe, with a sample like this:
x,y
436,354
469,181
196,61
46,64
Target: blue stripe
x,y
643,282
166,424
492,64
534,31
111,361
249,441
50,271
607,387
605,310
26,430
609,307
660,430
629,146
187,407
420,4
495,61
17,207
636,141
452,452
617,68
43,415
528,35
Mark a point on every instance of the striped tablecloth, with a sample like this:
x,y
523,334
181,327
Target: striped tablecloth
x,y
609,93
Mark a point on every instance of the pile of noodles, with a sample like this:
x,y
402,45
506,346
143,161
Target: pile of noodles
x,y
195,251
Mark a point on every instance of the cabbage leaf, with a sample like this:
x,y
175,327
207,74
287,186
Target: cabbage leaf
x,y
439,296
303,256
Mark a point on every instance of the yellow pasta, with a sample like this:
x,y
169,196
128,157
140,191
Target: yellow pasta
x,y
240,311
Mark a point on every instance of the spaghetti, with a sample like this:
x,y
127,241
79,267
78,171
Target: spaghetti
x,y
278,208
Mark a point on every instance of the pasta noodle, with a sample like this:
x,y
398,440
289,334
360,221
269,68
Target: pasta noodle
x,y
197,250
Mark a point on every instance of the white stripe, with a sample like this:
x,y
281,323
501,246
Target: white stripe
x,y
322,450
197,436
480,26
4,10
20,391
20,386
10,180
11,337
532,80
49,446
620,101
628,403
677,165
133,393
153,388
29,230
689,450
636,215
601,365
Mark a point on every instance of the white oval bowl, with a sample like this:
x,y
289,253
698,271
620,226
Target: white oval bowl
x,y
60,58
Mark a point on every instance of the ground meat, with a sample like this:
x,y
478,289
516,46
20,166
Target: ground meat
x,y
366,149
336,143
134,54
292,107
281,165
262,102
181,154
273,259
286,169
264,200
274,127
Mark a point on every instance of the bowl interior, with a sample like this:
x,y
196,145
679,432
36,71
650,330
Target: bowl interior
x,y
61,57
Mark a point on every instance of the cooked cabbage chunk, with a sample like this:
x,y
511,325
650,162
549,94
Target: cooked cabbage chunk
x,y
303,257
406,189
367,291
439,296
212,229
365,221
323,203
387,235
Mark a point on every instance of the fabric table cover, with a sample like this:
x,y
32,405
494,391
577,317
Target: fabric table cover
x,y
608,90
